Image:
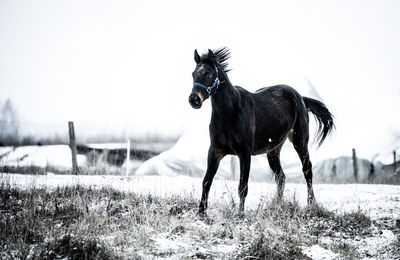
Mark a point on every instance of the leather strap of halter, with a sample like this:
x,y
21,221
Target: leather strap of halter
x,y
214,85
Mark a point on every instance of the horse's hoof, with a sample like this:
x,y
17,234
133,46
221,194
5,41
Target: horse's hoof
x,y
240,215
311,201
201,215
277,199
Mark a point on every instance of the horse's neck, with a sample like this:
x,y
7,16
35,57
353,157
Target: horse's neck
x,y
226,98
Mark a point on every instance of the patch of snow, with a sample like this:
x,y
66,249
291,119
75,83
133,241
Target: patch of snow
x,y
316,252
165,244
184,246
226,249
376,245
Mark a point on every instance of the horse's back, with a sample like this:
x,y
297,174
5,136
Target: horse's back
x,y
281,97
275,112
277,91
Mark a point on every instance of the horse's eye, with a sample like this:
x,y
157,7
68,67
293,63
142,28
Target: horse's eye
x,y
209,76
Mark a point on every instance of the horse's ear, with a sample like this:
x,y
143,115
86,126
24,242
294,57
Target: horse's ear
x,y
196,57
211,55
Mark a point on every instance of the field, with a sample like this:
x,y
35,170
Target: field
x,y
117,217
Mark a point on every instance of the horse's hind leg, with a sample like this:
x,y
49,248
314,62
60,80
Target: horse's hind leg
x,y
299,139
307,171
275,164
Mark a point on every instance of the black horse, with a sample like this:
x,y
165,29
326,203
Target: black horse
x,y
245,124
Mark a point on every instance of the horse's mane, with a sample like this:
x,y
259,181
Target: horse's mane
x,y
221,57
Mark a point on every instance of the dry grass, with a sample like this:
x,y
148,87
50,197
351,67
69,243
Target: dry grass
x,y
87,223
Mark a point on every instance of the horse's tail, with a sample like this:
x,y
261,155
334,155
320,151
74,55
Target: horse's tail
x,y
322,115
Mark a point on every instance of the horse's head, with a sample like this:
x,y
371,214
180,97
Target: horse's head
x,y
205,79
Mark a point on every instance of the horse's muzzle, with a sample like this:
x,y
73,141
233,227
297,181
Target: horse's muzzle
x,y
195,100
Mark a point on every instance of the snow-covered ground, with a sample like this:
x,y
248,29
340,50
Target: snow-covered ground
x,y
378,201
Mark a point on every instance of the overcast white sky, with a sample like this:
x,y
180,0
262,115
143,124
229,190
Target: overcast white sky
x,y
124,67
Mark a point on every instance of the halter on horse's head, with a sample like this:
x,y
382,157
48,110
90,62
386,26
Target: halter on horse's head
x,y
207,75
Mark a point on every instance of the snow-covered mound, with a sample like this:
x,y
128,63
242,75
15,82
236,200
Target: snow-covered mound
x,y
40,156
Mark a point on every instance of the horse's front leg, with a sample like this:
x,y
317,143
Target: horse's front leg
x,y
245,160
214,157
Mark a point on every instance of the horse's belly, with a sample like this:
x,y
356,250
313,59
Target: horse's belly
x,y
267,144
259,151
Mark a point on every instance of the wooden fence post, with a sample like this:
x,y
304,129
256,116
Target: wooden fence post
x,y
394,161
72,145
355,165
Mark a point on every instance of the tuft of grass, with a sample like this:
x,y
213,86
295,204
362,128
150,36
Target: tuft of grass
x,y
74,248
346,250
354,222
278,234
321,222
272,246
